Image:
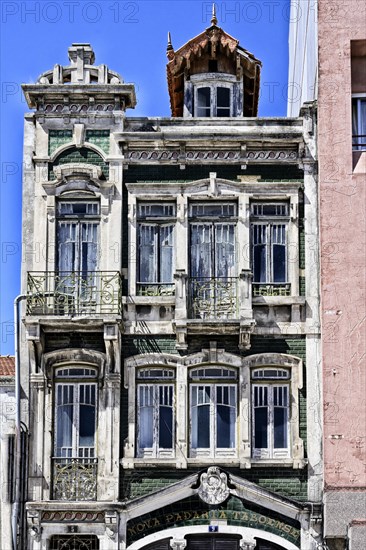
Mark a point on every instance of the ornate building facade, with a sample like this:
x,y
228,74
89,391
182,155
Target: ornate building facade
x,y
170,359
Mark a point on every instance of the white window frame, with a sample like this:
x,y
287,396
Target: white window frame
x,y
211,81
160,387
266,391
269,244
214,225
254,374
268,223
64,383
213,107
157,225
359,143
79,221
205,382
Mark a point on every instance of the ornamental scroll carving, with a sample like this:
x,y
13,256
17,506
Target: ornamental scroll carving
x,y
271,155
78,108
71,515
191,156
213,488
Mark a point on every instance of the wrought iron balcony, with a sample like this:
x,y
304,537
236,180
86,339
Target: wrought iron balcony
x,y
213,298
155,289
74,293
75,478
271,289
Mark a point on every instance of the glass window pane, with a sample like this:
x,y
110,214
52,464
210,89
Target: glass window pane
x,y
65,418
66,237
201,250
201,398
280,427
223,102
87,424
225,250
213,209
155,373
147,254
223,97
201,427
261,428
89,247
145,417
77,208
225,416
166,254
159,210
279,263
165,427
259,261
203,102
225,427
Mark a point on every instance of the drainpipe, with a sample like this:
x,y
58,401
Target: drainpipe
x,y
17,453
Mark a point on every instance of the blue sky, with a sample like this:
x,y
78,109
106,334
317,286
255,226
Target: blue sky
x,y
130,37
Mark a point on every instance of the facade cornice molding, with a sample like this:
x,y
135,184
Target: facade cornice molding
x,y
202,186
78,93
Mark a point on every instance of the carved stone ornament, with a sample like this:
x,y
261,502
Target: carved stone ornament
x,y
213,488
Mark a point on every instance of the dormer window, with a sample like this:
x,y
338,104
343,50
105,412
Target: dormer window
x,y
213,100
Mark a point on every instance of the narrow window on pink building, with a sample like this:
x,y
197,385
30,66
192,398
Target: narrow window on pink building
x,y
358,82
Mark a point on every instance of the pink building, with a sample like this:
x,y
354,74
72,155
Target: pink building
x,y
342,184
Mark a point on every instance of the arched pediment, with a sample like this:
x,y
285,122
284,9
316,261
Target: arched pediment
x,y
72,356
245,507
152,359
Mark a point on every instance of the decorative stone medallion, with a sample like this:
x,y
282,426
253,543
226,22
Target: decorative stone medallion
x,y
213,488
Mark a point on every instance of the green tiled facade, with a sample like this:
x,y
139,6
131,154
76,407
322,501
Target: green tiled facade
x,y
99,138
57,138
284,481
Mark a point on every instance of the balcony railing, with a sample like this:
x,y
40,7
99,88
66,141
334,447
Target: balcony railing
x,y
75,478
74,293
271,289
213,297
155,289
359,142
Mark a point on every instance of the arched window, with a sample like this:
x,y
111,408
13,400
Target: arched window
x,y
155,412
270,413
213,411
74,460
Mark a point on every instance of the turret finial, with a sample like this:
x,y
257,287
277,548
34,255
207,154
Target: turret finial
x,y
170,46
214,18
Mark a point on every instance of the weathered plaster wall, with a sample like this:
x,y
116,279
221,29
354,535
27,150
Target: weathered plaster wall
x,y
343,259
